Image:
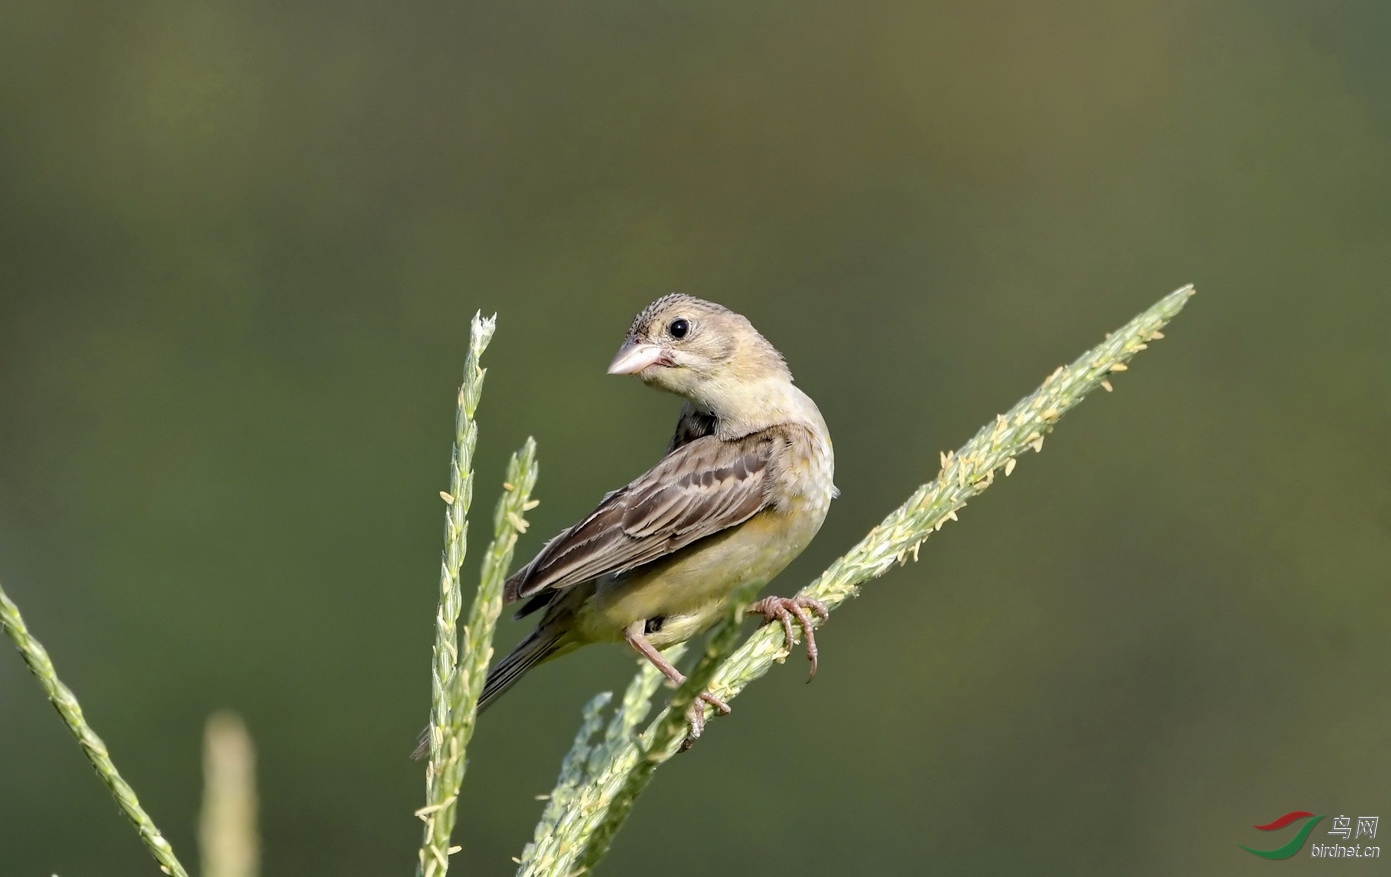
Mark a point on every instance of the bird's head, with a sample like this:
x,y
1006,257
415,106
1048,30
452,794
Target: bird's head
x,y
699,350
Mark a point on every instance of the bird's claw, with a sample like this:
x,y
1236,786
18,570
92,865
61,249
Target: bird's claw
x,y
784,609
696,716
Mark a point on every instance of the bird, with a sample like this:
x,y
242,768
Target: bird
x,y
742,489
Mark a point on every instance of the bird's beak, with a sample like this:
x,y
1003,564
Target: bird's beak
x,y
634,356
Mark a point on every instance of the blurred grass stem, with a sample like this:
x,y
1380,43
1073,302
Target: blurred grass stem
x,y
227,825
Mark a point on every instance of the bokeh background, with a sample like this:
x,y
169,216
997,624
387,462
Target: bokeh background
x,y
240,244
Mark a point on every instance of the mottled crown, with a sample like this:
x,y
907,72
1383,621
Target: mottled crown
x,y
675,301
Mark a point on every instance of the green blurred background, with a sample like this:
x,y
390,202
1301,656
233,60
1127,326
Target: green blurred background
x,y
240,244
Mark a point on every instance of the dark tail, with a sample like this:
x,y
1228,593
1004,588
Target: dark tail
x,y
541,644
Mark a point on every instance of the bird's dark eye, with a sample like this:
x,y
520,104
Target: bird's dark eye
x,y
678,328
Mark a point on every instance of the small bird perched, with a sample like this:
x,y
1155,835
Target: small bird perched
x,y
742,490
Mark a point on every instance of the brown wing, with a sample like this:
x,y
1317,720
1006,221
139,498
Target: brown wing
x,y
700,488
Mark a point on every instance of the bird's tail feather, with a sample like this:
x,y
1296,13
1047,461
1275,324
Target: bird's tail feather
x,y
540,645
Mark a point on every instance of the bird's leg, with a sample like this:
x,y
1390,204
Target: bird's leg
x,y
784,609
696,714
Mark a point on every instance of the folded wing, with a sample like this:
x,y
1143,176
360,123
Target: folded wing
x,y
697,490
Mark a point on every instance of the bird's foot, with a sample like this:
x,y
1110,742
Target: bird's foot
x,y
784,609
696,716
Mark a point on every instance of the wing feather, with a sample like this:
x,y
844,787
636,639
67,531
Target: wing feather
x,y
702,487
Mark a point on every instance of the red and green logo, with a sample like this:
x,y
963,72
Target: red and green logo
x,y
1295,844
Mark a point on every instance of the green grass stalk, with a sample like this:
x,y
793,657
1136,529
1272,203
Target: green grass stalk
x,y
62,698
460,664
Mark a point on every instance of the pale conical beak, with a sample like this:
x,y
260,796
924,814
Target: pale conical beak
x,y
633,357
